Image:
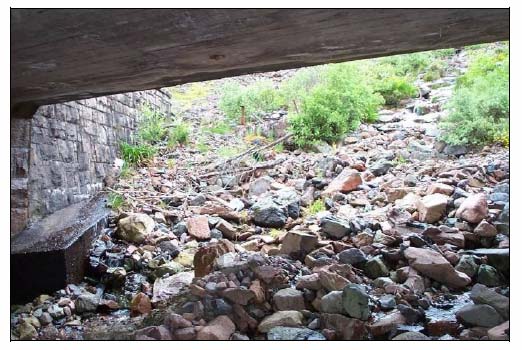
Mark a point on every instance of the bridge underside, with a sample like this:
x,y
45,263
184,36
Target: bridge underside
x,y
59,55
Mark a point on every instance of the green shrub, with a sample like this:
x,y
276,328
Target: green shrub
x,y
151,125
316,207
178,134
115,201
294,90
220,128
394,89
435,70
335,107
479,108
260,97
135,154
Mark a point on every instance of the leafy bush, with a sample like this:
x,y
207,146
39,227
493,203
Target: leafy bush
x,y
135,154
151,125
316,207
178,134
394,89
115,201
294,90
335,107
260,97
479,108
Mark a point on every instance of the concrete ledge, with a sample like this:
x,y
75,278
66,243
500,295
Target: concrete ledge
x,y
53,252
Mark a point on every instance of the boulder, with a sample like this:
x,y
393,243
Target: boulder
x,y
352,256
288,318
380,167
86,302
140,304
431,208
166,288
348,180
335,227
267,213
412,335
239,295
198,228
298,244
500,332
441,188
473,209
375,268
135,227
332,303
479,315
485,229
260,186
293,333
289,299
488,276
220,328
356,301
480,294
434,265
345,328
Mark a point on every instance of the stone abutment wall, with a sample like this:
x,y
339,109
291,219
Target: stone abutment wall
x,y
61,155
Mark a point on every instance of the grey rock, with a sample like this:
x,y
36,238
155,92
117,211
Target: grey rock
x,y
479,315
480,294
488,276
356,301
375,267
352,256
411,336
87,302
387,302
335,227
293,333
380,167
260,186
332,303
268,214
467,265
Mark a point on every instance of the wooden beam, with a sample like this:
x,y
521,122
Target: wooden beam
x,y
59,55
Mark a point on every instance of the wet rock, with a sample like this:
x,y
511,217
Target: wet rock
x,y
335,227
355,301
220,328
87,302
473,209
496,257
198,228
479,315
269,214
387,302
488,275
298,244
352,256
293,333
153,333
434,265
345,328
289,299
432,207
387,324
375,267
140,304
500,332
165,288
288,318
411,336
480,294
348,180
332,303
135,227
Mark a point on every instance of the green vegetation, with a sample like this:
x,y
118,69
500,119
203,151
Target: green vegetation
x,y
151,125
136,154
202,146
115,201
226,151
316,207
188,94
335,106
221,128
256,98
394,89
127,171
479,108
178,134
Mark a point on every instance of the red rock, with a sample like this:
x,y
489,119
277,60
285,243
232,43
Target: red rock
x,y
439,237
243,320
500,332
473,209
309,282
438,328
175,321
345,328
205,257
485,229
289,299
441,188
346,181
140,304
154,332
258,290
220,328
238,295
387,324
434,265
432,207
197,227
332,281
184,334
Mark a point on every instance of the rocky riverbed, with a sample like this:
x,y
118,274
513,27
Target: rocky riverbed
x,y
389,235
